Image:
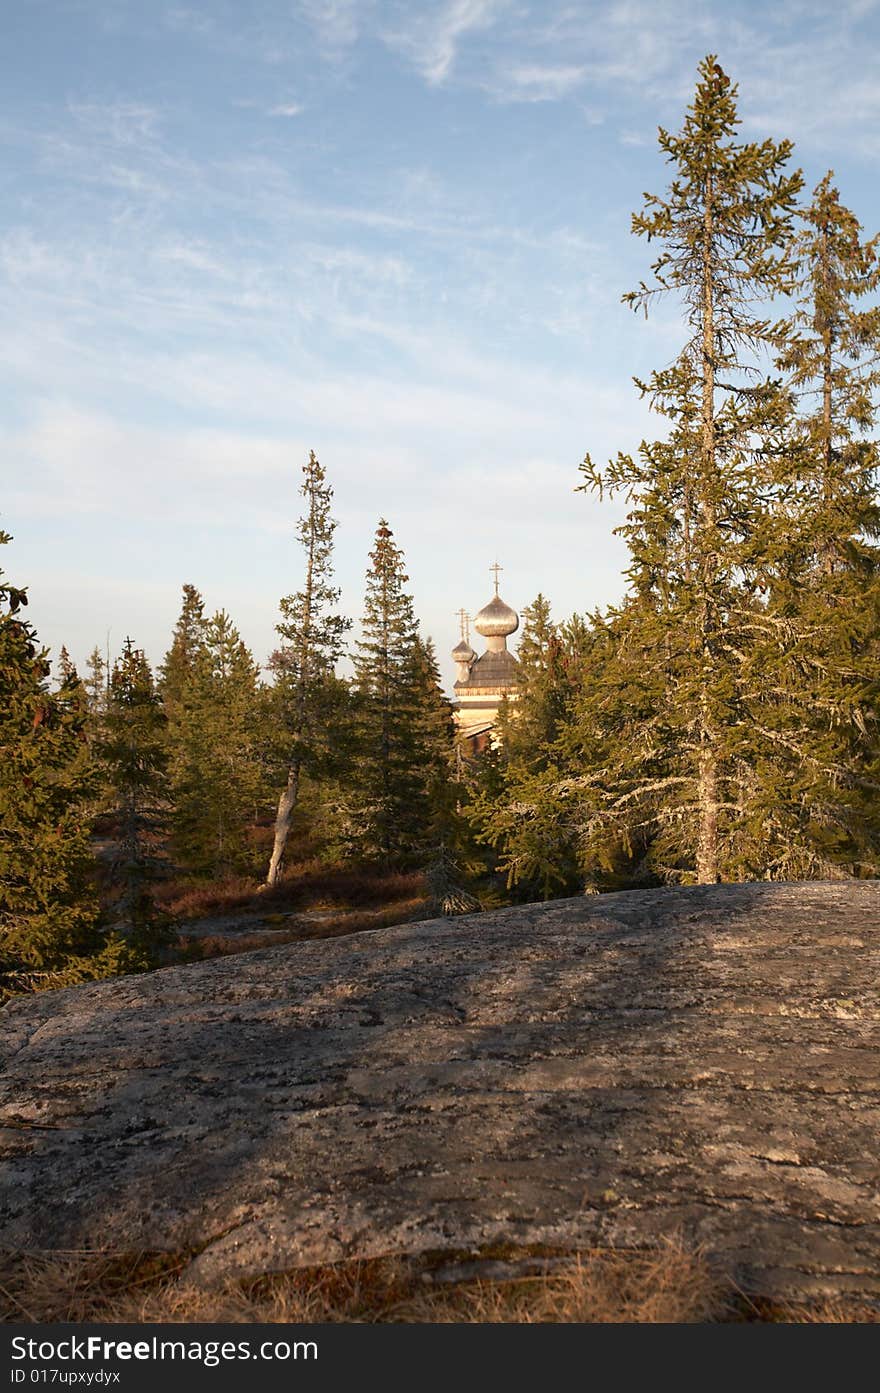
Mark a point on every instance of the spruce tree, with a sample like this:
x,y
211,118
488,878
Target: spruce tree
x,y
403,726
514,803
434,725
96,683
96,694
88,775
544,691
187,646
832,356
449,860
133,752
702,500
215,768
66,667
49,930
820,655
306,690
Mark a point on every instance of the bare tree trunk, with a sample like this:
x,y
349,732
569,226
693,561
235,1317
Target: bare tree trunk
x,y
827,374
707,779
287,801
283,818
707,849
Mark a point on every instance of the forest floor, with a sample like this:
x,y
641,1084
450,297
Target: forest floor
x,y
313,901
219,935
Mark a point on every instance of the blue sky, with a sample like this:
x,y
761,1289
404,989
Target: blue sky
x,y
396,233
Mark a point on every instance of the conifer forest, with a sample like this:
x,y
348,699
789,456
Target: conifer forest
x,y
720,722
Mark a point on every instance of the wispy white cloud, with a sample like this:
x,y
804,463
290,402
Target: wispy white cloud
x,y
195,256
793,61
120,123
807,105
194,297
336,23
429,38
637,139
89,462
534,82
26,259
251,32
141,487
286,107
185,18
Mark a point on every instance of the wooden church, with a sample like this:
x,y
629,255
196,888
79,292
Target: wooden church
x,y
485,680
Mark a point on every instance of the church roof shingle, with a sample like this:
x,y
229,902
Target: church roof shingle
x,y
492,670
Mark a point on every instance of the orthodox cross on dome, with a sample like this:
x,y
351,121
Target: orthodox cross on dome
x,y
495,568
464,623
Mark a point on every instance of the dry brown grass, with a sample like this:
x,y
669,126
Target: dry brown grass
x,y
196,899
347,922
80,1286
823,1312
309,885
669,1285
248,916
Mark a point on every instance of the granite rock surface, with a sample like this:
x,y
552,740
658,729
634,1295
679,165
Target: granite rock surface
x,y
701,1062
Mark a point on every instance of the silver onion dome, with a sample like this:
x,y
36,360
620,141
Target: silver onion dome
x,y
462,652
496,619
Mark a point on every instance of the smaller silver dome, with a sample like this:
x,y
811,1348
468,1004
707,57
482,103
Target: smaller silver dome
x,y
462,652
496,619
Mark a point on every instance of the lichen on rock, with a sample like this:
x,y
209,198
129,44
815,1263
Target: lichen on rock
x,y
700,1062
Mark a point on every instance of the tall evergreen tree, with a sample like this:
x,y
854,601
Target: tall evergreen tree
x,y
832,354
514,802
446,835
312,633
820,658
96,683
216,773
66,667
187,647
544,692
434,723
133,752
404,729
701,515
89,774
96,694
49,932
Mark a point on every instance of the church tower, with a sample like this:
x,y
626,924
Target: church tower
x,y
483,682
